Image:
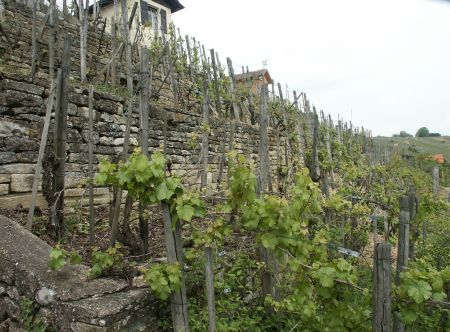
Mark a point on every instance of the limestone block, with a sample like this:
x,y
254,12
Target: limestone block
x,y
5,178
11,308
10,201
106,140
72,109
7,157
78,99
4,188
107,95
106,117
21,183
85,136
9,128
74,136
118,141
84,112
17,169
13,98
75,179
22,86
27,157
108,106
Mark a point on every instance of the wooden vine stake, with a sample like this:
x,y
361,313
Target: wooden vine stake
x,y
57,213
143,111
113,51
265,254
2,10
37,173
127,43
51,40
209,271
315,166
287,142
90,166
381,296
414,226
215,82
435,176
209,276
233,90
83,46
33,41
403,249
205,135
174,247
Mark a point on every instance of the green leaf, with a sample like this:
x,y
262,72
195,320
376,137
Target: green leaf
x,y
408,316
74,258
269,241
326,276
162,192
185,212
420,291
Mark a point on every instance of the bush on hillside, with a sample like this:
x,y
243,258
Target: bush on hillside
x,y
423,132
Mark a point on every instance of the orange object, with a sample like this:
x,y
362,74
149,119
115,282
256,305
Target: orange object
x,y
439,158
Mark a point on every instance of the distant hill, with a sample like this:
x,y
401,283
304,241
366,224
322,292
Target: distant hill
x,y
418,145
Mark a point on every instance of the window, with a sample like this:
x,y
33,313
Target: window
x,y
153,17
163,21
149,16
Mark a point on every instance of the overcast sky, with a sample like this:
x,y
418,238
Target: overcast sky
x,y
385,64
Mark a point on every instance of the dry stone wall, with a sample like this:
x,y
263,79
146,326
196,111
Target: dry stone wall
x,y
22,109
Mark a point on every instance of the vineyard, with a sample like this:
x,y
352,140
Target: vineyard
x,y
236,210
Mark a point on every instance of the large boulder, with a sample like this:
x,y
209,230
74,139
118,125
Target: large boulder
x,y
67,299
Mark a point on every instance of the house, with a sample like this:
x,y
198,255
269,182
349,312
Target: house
x,y
153,16
254,79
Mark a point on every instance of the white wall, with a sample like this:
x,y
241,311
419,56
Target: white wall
x,y
147,31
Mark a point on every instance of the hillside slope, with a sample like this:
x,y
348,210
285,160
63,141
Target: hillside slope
x,y
419,145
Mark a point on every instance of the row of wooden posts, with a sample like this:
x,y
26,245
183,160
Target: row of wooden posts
x,y
382,318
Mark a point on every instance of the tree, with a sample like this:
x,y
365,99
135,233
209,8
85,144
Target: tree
x,y
423,132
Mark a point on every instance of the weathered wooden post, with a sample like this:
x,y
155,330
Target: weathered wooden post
x,y
174,247
205,135
209,278
189,53
173,82
315,166
51,40
215,83
37,173
33,39
403,237
381,296
83,46
263,141
414,226
143,137
435,175
127,44
60,139
233,90
113,51
287,143
90,166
